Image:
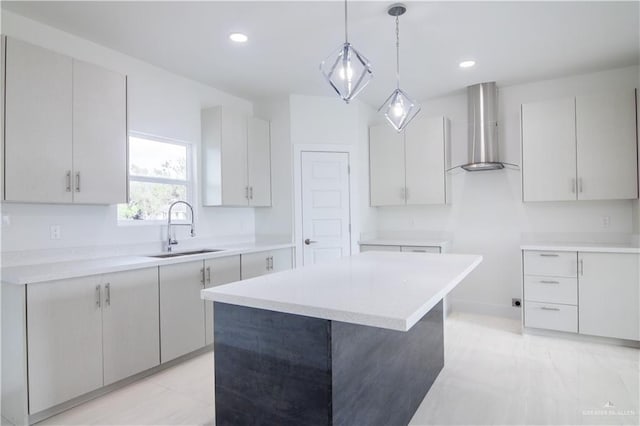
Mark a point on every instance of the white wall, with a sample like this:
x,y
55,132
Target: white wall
x,y
487,216
160,103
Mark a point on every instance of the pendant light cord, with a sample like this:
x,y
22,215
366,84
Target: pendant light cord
x,y
346,36
397,52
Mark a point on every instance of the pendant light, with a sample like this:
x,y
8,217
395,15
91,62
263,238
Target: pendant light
x,y
346,70
399,109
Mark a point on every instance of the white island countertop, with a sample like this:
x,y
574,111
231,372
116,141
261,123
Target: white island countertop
x,y
379,289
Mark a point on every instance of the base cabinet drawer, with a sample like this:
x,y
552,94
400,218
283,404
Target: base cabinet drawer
x,y
419,249
551,289
551,316
551,263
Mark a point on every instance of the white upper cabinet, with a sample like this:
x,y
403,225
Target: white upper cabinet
x,y
607,148
259,162
236,159
425,159
66,129
99,135
386,166
549,150
410,167
582,148
38,96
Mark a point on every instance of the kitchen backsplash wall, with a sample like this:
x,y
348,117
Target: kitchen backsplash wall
x,y
487,215
160,103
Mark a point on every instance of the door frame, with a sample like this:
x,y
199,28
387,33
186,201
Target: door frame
x,y
298,149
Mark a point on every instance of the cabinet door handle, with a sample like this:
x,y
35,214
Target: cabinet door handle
x,y
419,251
582,267
573,185
107,294
69,181
77,181
549,254
202,276
580,185
98,297
544,308
251,192
246,192
549,282
208,274
271,262
267,259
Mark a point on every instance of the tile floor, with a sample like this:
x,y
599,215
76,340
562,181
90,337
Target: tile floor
x,y
493,375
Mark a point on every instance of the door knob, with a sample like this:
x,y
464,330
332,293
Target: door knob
x,y
308,241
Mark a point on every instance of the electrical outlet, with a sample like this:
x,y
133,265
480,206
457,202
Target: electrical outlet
x,y
55,232
606,221
516,302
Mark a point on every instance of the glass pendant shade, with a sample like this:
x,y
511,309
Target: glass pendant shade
x,y
399,109
347,71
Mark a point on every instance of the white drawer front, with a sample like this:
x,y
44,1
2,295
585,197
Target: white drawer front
x,y
419,249
551,289
371,247
551,263
551,316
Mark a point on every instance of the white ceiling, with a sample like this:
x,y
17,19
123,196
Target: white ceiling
x,y
512,42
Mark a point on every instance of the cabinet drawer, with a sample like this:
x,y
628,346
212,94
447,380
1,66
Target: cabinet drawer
x,y
551,289
551,263
419,249
372,247
551,316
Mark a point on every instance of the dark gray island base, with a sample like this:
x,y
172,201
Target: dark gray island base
x,y
274,368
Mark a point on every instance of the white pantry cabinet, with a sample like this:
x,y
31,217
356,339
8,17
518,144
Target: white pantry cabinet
x,y
85,333
236,159
65,129
181,309
609,295
582,148
265,262
218,271
409,168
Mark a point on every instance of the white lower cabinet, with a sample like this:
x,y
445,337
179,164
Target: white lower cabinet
x,y
181,309
218,271
64,323
590,293
609,297
265,262
130,320
85,333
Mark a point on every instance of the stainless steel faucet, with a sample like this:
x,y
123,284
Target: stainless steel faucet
x,y
173,241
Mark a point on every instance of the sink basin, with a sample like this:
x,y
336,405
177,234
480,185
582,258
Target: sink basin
x,y
185,253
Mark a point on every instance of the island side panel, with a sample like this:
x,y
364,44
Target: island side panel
x,y
271,368
381,376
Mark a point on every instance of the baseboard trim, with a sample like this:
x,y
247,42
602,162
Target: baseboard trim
x,y
459,305
581,337
57,409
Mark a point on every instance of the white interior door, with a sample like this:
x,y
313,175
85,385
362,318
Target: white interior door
x,y
325,206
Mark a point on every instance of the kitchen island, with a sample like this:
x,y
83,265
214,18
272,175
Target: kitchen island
x,y
356,341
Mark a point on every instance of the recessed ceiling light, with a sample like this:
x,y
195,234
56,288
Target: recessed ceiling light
x,y
238,37
467,64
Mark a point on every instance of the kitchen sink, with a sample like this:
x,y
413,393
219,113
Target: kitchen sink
x,y
185,253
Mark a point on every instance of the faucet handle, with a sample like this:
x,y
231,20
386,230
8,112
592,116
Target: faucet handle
x,y
193,232
173,241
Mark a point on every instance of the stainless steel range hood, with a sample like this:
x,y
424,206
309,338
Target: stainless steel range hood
x,y
483,127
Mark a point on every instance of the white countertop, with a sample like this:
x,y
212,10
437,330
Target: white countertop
x,y
584,247
403,242
379,289
29,274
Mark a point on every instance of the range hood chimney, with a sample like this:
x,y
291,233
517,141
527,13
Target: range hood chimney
x,y
483,127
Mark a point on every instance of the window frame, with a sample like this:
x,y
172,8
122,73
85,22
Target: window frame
x,y
189,182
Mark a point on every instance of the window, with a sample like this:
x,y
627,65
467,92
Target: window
x,y
159,174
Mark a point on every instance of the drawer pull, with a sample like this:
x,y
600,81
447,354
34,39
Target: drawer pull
x,y
544,308
549,255
549,282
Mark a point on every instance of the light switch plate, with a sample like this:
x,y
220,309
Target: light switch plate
x,y
55,232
